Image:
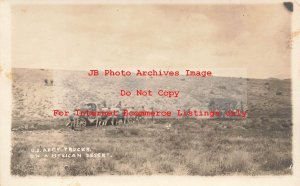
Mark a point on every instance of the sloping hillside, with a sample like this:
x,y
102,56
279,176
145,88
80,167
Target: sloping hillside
x,y
33,99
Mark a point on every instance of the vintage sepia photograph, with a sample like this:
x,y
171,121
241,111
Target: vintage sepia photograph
x,y
151,89
209,36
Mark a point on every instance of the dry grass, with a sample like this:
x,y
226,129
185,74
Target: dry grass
x,y
262,145
150,149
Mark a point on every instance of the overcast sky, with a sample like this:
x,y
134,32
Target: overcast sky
x,y
253,38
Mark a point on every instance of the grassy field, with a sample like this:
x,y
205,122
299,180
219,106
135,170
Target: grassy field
x,y
178,147
259,145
